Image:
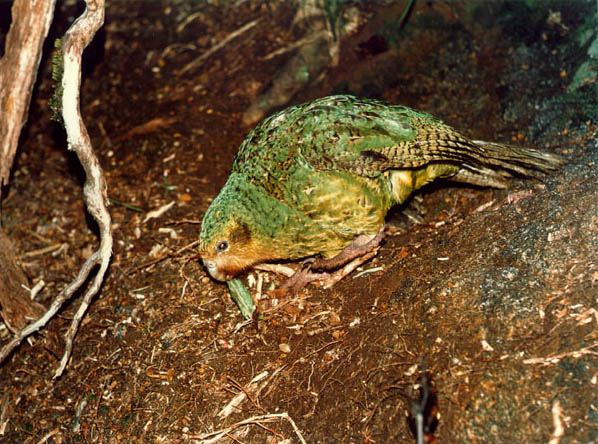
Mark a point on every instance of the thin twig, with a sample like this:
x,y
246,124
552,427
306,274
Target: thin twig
x,y
161,258
304,41
240,397
78,413
213,437
556,358
48,435
276,268
194,64
559,430
42,251
4,413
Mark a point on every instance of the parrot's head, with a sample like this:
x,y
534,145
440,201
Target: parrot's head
x,y
234,234
230,250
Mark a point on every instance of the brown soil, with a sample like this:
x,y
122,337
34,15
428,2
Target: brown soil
x,y
490,280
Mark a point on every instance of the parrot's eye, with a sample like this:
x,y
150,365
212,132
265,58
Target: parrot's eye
x,y
222,246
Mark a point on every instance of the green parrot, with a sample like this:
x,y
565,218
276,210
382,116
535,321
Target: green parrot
x,y
316,181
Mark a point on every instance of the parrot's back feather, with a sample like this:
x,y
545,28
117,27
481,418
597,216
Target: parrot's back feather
x,y
366,137
439,143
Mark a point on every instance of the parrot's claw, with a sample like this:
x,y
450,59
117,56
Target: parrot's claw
x,y
300,279
332,278
356,253
357,249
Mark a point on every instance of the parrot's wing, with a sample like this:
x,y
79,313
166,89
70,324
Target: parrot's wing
x,y
368,137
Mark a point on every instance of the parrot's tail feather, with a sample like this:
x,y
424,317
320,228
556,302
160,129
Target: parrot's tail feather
x,y
525,161
482,163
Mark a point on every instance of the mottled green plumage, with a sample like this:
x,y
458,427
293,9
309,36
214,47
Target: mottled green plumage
x,y
310,179
57,73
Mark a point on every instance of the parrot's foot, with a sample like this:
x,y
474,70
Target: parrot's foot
x,y
356,253
360,247
329,279
299,280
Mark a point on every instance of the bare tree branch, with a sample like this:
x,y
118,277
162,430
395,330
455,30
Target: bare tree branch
x,y
74,42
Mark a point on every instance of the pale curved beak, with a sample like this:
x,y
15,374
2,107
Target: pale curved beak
x,y
213,270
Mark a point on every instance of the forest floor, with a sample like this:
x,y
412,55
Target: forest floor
x,y
494,296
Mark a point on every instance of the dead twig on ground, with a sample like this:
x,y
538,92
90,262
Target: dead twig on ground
x,y
304,41
557,358
4,413
49,435
150,126
559,430
196,63
161,258
245,393
213,437
42,251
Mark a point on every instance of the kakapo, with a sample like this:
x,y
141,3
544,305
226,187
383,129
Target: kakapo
x,y
316,181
